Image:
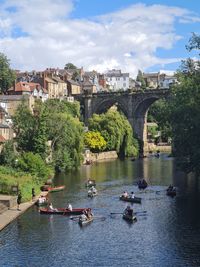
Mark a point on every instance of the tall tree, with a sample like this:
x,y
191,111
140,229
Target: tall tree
x,y
7,76
185,112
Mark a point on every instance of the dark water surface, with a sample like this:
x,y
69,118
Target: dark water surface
x,y
168,235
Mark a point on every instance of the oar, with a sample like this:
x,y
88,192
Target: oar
x,y
137,212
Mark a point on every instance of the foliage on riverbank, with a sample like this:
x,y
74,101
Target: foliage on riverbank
x,y
11,177
117,132
53,129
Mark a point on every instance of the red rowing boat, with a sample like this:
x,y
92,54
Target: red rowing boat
x,y
56,188
63,211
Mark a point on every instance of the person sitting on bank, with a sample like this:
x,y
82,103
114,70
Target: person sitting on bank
x,y
70,207
132,195
19,200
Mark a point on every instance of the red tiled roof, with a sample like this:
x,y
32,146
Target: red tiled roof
x,y
24,87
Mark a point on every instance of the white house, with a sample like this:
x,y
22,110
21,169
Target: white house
x,y
116,80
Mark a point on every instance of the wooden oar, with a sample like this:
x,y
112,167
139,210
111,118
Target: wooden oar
x,y
137,212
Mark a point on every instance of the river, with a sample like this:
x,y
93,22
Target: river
x,y
168,234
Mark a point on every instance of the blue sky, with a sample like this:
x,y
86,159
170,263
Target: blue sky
x,y
99,34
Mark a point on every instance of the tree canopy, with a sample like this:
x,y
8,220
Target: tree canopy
x,y
7,76
70,66
117,132
184,111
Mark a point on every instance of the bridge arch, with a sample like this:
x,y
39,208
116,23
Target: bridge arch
x,y
133,104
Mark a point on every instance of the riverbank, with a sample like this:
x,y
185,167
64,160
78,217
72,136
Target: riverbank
x,y
11,214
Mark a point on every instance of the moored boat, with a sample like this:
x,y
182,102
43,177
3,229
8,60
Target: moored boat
x,y
86,221
132,200
63,211
56,188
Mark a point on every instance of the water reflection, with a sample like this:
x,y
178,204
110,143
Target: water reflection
x,y
167,234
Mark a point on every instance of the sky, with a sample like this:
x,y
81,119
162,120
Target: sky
x,y
98,34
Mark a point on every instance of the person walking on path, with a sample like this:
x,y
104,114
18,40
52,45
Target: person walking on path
x,y
19,200
33,194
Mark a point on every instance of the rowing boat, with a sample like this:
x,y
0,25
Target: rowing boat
x,y
92,194
142,184
56,188
132,200
85,222
130,218
63,211
171,193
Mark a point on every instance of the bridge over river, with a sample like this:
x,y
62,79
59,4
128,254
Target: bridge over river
x,y
134,105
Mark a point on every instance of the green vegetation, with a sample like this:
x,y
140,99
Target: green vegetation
x,y
184,113
159,113
7,76
94,141
117,132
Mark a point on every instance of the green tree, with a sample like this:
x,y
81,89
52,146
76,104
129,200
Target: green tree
x,y
159,113
8,154
70,66
116,131
7,76
140,78
185,112
94,141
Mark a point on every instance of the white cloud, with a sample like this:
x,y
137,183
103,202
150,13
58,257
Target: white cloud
x,y
127,39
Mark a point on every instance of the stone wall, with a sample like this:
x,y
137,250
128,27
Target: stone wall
x,y
93,157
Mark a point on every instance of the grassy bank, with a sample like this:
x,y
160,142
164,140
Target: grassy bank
x,y
25,181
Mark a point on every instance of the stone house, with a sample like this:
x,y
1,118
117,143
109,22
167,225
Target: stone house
x,y
73,88
29,88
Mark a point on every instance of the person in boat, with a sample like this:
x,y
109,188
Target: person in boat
x,y
128,211
52,208
89,214
69,207
42,199
132,195
83,217
170,188
125,194
93,190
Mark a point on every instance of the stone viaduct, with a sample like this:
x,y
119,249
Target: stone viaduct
x,y
134,105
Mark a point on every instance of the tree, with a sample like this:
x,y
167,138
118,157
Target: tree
x,y
7,76
184,109
117,132
140,78
94,141
70,66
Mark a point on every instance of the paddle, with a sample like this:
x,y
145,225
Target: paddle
x,y
137,212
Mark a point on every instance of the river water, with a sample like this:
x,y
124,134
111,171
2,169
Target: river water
x,y
168,234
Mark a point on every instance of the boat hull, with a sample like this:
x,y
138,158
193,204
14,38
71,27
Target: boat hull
x,y
171,193
129,218
132,200
85,222
56,189
62,211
